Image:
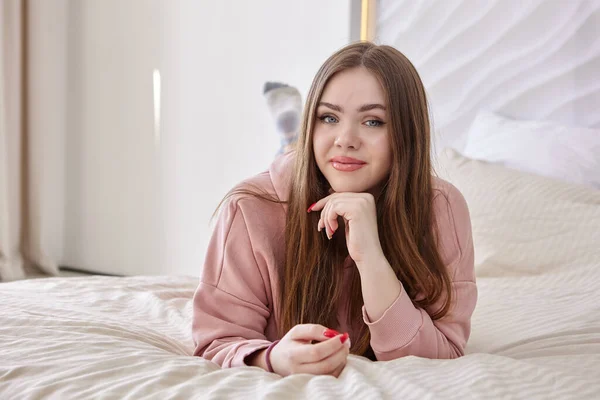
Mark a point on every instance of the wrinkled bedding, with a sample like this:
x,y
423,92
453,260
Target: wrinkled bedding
x,y
104,337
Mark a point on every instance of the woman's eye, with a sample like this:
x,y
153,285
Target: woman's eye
x,y
328,119
373,123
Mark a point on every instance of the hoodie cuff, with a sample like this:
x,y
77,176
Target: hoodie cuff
x,y
239,360
398,325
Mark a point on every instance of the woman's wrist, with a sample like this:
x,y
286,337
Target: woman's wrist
x,y
261,358
268,356
257,359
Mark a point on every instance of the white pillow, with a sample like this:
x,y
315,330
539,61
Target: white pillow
x,y
525,224
546,148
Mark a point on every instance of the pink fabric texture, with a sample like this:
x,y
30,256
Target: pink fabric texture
x,y
233,306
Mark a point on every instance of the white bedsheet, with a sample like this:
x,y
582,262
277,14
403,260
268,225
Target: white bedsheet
x,y
102,337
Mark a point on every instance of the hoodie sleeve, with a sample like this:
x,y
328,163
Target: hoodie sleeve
x,y
230,305
405,329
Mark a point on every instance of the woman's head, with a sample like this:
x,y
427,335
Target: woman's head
x,y
350,133
367,102
357,86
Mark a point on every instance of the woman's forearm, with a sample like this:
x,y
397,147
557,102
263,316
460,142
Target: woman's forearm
x,y
380,286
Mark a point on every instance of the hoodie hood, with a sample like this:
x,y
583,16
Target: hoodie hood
x,y
280,172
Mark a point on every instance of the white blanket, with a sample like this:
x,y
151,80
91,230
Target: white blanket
x,y
536,328
129,338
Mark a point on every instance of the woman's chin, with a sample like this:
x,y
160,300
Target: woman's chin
x,y
342,187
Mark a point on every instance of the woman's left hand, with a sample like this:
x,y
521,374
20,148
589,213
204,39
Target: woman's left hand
x,y
360,220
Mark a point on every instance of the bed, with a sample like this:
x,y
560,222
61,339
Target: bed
x,y
536,328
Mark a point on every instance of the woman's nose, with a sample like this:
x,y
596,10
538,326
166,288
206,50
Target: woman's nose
x,y
347,140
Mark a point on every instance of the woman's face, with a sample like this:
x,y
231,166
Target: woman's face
x,y
350,138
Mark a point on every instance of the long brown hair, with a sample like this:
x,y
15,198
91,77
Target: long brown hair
x,y
310,279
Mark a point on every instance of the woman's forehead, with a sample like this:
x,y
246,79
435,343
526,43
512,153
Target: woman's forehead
x,y
356,86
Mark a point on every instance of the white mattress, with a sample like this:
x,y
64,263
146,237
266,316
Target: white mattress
x,y
101,337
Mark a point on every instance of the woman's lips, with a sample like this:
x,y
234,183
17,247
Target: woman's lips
x,y
347,164
346,167
347,160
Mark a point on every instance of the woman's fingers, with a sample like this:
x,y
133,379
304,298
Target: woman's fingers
x,y
338,371
296,354
319,351
329,218
326,366
325,220
332,214
322,225
334,206
309,332
319,204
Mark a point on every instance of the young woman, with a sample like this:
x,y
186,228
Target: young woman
x,y
348,244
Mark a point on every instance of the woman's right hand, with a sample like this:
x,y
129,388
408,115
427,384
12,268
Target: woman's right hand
x,y
295,353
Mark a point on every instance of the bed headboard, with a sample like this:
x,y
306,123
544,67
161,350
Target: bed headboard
x,y
527,60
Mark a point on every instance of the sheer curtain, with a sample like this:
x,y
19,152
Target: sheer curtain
x,y
33,76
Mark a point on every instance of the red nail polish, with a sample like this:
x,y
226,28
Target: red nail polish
x,y
344,337
330,333
311,206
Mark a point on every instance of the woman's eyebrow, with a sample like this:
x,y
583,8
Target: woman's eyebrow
x,y
368,107
332,106
363,108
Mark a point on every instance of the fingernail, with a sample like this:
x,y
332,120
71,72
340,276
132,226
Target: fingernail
x,y
348,344
344,337
330,333
311,206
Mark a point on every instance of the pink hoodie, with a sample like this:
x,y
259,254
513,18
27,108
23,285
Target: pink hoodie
x,y
233,307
